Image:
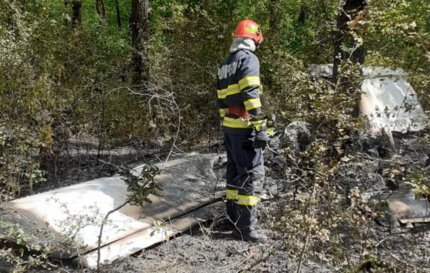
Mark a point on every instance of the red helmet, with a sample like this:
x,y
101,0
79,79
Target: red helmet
x,y
249,29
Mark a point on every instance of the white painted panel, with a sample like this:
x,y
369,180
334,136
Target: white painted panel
x,y
77,211
388,100
157,233
390,103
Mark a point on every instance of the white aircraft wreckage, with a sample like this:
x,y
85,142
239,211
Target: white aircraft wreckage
x,y
390,104
68,220
388,100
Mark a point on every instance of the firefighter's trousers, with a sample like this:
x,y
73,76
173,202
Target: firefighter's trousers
x,y
245,174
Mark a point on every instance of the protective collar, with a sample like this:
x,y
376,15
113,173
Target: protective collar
x,y
242,43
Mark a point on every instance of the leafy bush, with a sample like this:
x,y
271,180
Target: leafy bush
x,y
19,165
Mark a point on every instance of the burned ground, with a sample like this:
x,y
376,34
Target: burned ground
x,y
344,225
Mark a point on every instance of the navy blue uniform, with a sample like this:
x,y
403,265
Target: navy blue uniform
x,y
239,90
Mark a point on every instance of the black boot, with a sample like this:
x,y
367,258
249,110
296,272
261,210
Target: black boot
x,y
246,225
250,236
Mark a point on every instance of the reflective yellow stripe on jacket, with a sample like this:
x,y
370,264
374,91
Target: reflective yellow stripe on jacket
x,y
236,123
222,112
248,200
252,104
258,124
232,194
230,90
236,88
249,81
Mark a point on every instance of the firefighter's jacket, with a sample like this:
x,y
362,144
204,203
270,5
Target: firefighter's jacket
x,y
238,86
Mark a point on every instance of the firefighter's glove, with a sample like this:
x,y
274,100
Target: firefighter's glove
x,y
260,140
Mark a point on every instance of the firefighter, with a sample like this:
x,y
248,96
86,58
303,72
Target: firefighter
x,y
244,126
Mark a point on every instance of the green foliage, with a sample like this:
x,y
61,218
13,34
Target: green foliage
x,y
398,35
71,73
58,80
405,31
141,185
28,252
19,168
419,182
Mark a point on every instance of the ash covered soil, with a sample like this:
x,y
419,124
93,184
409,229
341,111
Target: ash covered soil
x,y
299,239
202,250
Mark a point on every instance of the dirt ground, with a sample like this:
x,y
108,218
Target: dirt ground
x,y
209,248
201,250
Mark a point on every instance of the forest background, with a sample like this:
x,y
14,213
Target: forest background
x,y
142,73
